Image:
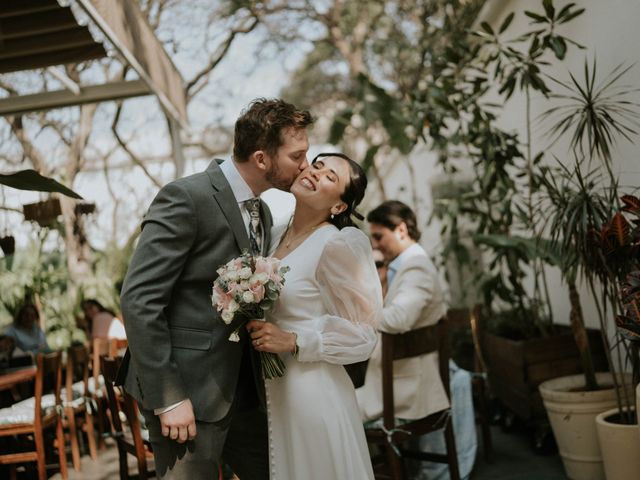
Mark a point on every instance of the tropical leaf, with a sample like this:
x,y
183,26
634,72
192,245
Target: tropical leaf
x,y
631,204
506,23
526,248
536,18
32,180
620,230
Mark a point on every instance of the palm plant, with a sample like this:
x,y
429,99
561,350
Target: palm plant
x,y
577,205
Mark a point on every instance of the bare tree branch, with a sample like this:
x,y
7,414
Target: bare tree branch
x,y
125,147
11,209
29,149
217,57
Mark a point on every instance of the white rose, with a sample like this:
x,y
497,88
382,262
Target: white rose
x,y
248,297
244,285
232,276
260,278
227,316
245,273
233,306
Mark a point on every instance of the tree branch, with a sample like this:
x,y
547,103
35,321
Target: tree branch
x,y
125,147
217,57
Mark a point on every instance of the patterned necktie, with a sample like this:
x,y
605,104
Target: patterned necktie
x,y
255,226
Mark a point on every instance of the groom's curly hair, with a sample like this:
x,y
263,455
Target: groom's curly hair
x,y
261,125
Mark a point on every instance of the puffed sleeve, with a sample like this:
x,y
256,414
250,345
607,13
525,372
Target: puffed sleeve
x,y
352,299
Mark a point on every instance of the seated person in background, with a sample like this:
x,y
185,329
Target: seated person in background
x,y
415,299
26,332
100,322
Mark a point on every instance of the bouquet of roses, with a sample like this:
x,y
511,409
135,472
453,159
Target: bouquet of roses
x,y
249,286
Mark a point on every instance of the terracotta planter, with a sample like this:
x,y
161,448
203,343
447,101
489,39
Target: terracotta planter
x,y
620,446
572,414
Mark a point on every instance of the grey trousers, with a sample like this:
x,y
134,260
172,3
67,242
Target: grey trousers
x,y
240,439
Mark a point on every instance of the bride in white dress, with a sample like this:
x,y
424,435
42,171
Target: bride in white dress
x,y
326,317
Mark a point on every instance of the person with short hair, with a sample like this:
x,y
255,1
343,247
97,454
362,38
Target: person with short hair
x,y
414,299
101,322
200,393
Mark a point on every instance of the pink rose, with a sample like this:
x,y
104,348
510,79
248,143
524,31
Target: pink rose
x,y
258,291
222,298
267,265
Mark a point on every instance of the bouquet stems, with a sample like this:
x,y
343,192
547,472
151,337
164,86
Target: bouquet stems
x,y
272,365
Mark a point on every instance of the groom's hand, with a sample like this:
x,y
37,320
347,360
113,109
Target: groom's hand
x,y
179,424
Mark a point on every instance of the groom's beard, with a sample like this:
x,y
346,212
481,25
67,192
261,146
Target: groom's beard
x,y
277,180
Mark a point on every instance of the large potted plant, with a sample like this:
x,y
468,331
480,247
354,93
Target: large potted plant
x,y
525,348
617,428
576,206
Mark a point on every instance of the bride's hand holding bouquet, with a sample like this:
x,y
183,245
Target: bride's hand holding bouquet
x,y
249,286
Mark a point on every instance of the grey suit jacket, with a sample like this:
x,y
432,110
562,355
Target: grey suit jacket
x,y
178,345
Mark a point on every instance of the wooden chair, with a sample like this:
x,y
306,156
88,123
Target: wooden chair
x,y
392,437
33,416
468,320
130,441
102,347
77,403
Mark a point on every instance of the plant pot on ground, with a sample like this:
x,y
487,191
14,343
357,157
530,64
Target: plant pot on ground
x,y
619,444
572,409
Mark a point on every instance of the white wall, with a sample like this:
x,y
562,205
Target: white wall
x,y
610,31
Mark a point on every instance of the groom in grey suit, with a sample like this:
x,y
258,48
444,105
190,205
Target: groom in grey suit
x,y
199,392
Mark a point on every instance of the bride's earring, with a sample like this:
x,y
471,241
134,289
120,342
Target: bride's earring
x,y
332,216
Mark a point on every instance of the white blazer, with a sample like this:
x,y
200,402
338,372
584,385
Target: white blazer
x,y
415,299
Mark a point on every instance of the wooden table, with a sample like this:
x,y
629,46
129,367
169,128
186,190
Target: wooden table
x,y
12,377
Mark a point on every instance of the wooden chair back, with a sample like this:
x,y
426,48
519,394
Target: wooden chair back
x,y
78,404
77,370
414,343
105,347
130,441
393,437
468,319
48,380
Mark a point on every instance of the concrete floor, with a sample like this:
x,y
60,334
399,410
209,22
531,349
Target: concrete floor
x,y
514,459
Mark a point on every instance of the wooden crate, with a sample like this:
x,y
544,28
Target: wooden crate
x,y
517,367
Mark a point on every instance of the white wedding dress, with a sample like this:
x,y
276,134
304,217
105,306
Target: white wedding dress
x,y
332,300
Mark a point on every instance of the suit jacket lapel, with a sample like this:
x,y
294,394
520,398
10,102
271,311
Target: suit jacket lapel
x,y
229,205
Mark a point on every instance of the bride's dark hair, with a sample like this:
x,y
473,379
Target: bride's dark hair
x,y
353,192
